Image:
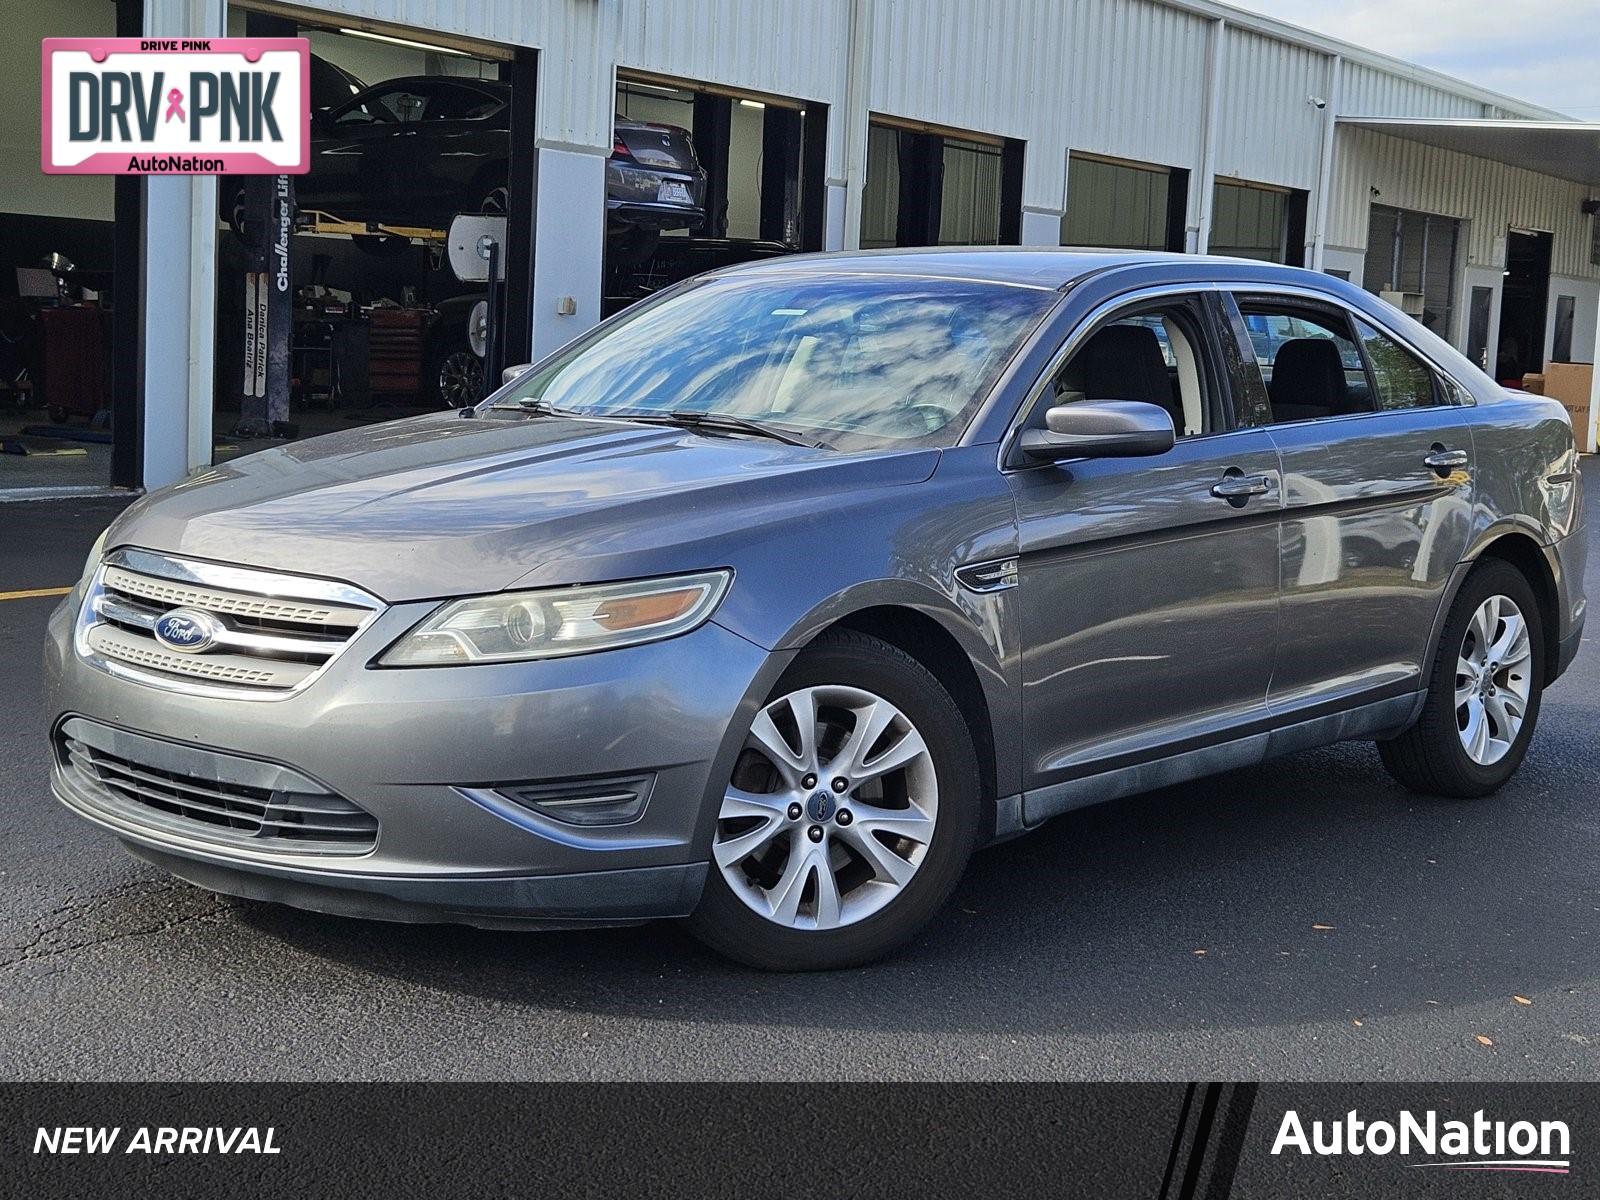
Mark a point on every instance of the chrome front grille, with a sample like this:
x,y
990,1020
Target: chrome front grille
x,y
265,634
208,795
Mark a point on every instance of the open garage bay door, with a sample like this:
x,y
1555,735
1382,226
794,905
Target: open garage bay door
x,y
409,129
702,176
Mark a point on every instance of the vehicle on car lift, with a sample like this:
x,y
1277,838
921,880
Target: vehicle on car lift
x,y
771,600
331,85
674,259
417,150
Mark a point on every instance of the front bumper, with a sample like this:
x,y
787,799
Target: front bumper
x,y
422,749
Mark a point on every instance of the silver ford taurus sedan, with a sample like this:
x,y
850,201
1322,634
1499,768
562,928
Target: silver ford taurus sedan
x,y
768,602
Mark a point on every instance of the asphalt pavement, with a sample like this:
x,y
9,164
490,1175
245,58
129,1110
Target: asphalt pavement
x,y
1302,920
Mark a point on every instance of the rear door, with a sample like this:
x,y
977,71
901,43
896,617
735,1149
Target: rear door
x,y
1377,491
1148,587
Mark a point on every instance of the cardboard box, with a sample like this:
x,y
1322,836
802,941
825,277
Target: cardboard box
x,y
1533,384
1570,383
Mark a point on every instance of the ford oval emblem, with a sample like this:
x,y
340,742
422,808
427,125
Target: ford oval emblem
x,y
187,630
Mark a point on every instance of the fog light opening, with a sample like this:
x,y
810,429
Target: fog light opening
x,y
589,803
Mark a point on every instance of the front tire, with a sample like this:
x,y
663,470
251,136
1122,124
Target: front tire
x,y
1483,694
850,816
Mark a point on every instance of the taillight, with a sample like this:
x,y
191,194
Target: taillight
x,y
619,148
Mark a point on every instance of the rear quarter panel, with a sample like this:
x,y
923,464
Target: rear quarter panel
x,y
1526,469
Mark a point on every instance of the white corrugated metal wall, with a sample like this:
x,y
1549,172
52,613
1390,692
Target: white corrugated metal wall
x,y
1123,78
1490,196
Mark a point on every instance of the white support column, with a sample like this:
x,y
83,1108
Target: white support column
x,y
1041,227
1586,436
179,292
1206,177
1324,199
853,120
833,216
577,100
569,245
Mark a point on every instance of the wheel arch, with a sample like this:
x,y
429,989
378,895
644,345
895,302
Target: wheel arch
x,y
1519,549
933,645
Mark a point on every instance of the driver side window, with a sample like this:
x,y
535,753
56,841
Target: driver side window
x,y
1155,354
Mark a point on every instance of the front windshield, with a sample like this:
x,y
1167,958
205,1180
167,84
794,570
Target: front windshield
x,y
844,361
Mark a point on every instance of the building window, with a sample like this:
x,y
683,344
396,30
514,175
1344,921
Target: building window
x,y
1411,260
1125,206
1480,309
1252,221
1561,345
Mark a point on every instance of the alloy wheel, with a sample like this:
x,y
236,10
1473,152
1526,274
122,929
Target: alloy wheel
x,y
830,811
1493,680
461,379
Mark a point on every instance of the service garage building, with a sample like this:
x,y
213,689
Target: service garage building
x,y
814,124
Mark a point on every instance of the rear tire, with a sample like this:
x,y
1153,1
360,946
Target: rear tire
x,y
1460,746
872,899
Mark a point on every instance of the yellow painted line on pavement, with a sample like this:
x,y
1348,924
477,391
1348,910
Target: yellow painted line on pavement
x,y
31,593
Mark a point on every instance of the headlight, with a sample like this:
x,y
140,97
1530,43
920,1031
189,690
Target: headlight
x,y
514,626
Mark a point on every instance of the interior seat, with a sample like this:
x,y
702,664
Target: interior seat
x,y
1307,380
1124,362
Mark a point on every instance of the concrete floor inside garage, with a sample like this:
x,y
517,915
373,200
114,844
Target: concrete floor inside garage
x,y
1301,920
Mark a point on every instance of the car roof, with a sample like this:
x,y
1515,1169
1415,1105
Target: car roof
x,y
1033,266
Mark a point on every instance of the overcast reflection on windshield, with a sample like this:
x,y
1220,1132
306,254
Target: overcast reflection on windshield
x,y
850,361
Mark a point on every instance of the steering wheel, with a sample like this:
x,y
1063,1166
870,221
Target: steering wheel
x,y
934,417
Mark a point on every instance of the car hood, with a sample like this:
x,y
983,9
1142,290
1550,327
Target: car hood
x,y
437,506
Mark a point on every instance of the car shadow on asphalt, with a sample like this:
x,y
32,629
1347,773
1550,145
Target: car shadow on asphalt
x,y
1310,888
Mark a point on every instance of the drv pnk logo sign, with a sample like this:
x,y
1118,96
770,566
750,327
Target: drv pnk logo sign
x,y
170,106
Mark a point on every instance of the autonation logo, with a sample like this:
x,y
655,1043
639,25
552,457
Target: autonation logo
x,y
1476,1145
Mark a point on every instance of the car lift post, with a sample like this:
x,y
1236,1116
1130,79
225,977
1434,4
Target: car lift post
x,y
489,249
267,224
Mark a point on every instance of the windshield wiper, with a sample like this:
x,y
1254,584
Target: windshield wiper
x,y
717,423
537,407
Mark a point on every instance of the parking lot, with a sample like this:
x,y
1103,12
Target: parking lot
x,y
1302,920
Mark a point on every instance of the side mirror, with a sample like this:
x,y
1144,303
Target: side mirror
x,y
1101,429
511,373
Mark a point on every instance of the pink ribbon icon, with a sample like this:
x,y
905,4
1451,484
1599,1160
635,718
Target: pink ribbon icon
x,y
175,106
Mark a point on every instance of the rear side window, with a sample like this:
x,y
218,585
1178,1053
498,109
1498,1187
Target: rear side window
x,y
1308,359
1399,379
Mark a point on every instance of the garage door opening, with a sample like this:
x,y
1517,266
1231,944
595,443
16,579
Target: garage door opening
x,y
930,187
702,177
1524,305
69,278
1411,262
1257,220
1124,205
408,131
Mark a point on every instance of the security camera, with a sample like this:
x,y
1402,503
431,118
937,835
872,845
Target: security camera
x,y
1590,207
1316,102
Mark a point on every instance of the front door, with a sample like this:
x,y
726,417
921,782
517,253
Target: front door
x,y
1148,587
1377,500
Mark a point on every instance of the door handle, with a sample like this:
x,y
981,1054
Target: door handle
x,y
1241,487
1445,461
